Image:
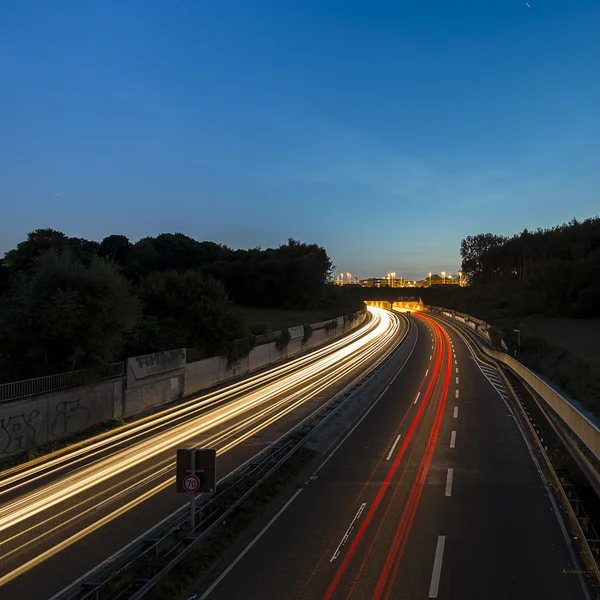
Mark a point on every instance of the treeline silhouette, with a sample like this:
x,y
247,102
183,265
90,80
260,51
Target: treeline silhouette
x,y
555,271
68,303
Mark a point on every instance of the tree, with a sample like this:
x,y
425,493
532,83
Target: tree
x,y
115,248
64,315
23,257
476,252
194,308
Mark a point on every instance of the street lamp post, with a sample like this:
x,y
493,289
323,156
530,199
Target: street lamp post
x,y
443,276
518,332
429,279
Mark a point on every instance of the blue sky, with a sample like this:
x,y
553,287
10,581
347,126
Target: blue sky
x,y
385,131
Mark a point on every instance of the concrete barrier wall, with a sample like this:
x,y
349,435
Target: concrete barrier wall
x,y
585,430
203,374
30,422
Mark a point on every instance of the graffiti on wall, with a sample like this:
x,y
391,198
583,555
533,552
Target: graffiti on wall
x,y
158,362
70,417
17,432
32,423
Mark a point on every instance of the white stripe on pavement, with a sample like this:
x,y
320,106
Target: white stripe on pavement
x,y
348,532
453,440
456,412
393,448
248,547
456,394
417,398
449,482
437,567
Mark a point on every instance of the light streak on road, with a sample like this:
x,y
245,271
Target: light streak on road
x,y
112,468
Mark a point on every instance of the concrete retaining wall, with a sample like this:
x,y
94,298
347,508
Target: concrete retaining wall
x,y
152,391
204,374
151,381
30,422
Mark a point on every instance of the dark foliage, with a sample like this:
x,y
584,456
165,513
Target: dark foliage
x,y
68,303
63,314
551,271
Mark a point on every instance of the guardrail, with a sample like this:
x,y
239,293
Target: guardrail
x,y
51,383
137,568
580,424
585,430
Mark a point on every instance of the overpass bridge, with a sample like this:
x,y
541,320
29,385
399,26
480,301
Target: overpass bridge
x,y
399,305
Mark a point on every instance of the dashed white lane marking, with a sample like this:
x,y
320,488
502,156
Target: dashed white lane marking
x,y
431,357
449,482
456,412
437,567
455,362
457,369
456,394
417,398
393,448
348,532
457,381
426,372
453,440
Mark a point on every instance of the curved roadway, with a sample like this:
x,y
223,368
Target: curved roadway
x,y
435,493
63,514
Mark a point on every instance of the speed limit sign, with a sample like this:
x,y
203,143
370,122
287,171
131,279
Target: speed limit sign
x,y
191,483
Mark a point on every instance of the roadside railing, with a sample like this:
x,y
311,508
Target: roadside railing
x,y
587,431
51,383
132,572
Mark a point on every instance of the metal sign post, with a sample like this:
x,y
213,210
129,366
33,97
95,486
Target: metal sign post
x,y
192,494
196,472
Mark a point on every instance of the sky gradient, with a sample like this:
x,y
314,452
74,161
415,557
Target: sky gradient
x,y
384,131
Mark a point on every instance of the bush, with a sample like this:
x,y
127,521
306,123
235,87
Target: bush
x,y
331,325
259,329
307,334
283,340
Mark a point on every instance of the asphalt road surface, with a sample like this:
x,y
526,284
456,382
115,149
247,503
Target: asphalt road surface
x,y
435,494
63,515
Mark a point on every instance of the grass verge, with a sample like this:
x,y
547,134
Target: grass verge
x,y
277,319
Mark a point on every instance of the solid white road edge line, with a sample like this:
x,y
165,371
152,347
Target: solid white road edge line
x,y
348,532
284,507
538,468
248,547
449,478
393,447
437,567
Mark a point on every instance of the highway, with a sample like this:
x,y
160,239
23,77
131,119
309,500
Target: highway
x,y
63,514
434,494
